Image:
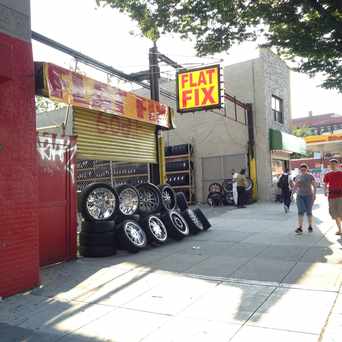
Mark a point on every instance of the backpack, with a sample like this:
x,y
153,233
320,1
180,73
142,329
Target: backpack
x,y
283,182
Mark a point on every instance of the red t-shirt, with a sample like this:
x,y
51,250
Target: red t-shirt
x,y
333,180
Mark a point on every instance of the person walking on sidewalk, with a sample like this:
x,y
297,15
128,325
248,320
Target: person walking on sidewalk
x,y
285,184
241,182
305,186
333,189
235,192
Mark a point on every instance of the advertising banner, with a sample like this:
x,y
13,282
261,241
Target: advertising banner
x,y
199,89
80,91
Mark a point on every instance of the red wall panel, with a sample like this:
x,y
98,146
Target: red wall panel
x,y
19,252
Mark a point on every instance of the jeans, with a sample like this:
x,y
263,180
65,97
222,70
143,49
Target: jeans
x,y
304,204
286,195
241,196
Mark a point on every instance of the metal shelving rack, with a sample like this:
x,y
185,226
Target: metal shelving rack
x,y
113,173
190,187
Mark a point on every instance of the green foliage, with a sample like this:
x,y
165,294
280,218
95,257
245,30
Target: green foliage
x,y
43,104
309,32
302,131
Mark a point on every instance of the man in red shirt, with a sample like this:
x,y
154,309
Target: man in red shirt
x,y
333,189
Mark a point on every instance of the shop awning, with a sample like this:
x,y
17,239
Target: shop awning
x,y
286,142
324,143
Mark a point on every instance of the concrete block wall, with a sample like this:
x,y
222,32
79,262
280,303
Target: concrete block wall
x,y
19,252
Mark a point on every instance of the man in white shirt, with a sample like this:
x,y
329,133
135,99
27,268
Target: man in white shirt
x,y
235,192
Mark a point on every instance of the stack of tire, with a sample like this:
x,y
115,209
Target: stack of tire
x,y
129,218
98,204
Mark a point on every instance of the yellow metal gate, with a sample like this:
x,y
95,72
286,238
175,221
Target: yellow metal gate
x,y
103,136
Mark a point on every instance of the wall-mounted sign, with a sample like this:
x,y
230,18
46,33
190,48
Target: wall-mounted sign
x,y
199,89
83,92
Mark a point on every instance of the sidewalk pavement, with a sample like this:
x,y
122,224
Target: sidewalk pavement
x,y
249,278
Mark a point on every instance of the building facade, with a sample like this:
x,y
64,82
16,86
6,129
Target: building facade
x,y
220,138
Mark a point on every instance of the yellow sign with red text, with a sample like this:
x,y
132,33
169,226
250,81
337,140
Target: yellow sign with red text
x,y
199,89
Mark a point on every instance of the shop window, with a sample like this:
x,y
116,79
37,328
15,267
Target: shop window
x,y
277,109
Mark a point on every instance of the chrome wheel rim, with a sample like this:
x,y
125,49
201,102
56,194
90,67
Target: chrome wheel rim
x,y
135,234
101,203
195,219
168,199
128,201
179,223
148,200
157,228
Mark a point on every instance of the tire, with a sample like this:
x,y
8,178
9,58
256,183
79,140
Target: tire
x,y
249,186
215,187
227,185
98,227
181,201
122,218
195,225
128,199
228,198
215,199
155,229
94,239
96,251
200,215
106,206
175,224
131,236
150,200
168,195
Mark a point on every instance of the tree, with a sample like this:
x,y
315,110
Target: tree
x,y
307,32
43,104
302,131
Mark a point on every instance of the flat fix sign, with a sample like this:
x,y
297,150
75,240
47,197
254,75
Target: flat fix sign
x,y
199,89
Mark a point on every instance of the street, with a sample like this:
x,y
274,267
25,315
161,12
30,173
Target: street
x,y
249,278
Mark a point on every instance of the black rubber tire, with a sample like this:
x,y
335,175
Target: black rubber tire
x,y
199,213
249,186
152,237
228,198
177,228
181,201
120,218
125,241
215,199
168,205
156,193
98,227
194,223
84,196
96,251
119,189
95,239
227,185
215,187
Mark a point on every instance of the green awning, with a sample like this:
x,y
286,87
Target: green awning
x,y
286,142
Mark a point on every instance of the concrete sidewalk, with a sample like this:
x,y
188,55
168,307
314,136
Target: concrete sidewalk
x,y
250,278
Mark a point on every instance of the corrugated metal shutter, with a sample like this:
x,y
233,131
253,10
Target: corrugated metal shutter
x,y
108,137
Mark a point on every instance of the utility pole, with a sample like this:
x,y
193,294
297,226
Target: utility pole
x,y
154,86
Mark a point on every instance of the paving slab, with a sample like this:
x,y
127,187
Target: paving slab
x,y
245,250
186,329
60,318
248,333
208,248
172,296
320,276
323,255
177,262
120,325
283,253
11,333
218,266
264,270
229,302
295,310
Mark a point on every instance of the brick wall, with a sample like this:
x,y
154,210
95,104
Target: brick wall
x,y
19,253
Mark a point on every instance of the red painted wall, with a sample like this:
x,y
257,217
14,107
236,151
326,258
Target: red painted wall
x,y
19,252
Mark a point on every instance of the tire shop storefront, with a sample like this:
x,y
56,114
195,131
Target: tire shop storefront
x,y
112,128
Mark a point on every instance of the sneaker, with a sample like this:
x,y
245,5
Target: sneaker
x,y
299,230
310,230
